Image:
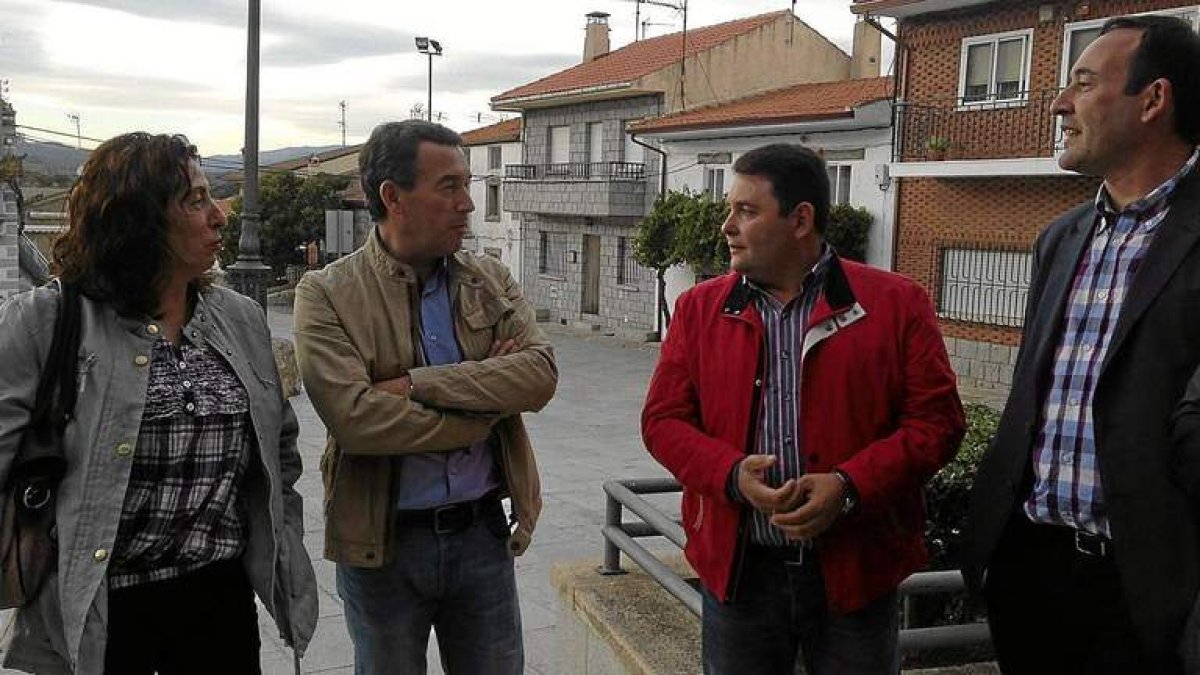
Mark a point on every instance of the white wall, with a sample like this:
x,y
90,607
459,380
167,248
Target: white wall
x,y
865,191
504,234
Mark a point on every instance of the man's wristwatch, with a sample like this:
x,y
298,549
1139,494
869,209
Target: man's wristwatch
x,y
849,493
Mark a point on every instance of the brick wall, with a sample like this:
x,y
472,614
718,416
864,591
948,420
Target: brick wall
x,y
934,41
966,212
974,212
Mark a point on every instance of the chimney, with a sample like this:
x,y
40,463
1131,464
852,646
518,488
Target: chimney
x,y
595,41
867,51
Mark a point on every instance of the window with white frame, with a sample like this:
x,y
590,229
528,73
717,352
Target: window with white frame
x,y
995,67
494,158
1077,36
839,184
714,184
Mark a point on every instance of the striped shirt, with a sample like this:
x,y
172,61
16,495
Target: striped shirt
x,y
1067,489
182,509
779,418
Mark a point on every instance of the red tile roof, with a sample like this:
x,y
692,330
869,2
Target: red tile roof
x,y
800,103
502,132
638,59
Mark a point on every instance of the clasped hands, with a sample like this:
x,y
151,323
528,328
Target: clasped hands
x,y
401,386
803,508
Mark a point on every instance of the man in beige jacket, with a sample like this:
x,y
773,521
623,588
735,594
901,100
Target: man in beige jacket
x,y
420,358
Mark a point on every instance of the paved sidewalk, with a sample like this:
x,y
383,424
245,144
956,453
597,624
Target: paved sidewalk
x,y
587,435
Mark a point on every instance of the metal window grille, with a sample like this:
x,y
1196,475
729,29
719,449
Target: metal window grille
x,y
984,285
628,270
552,254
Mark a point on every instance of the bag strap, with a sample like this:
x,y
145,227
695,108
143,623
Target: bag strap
x,y
59,374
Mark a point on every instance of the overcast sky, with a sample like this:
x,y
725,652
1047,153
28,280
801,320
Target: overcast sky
x,y
180,65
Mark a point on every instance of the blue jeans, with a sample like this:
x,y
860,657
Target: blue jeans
x,y
462,585
779,622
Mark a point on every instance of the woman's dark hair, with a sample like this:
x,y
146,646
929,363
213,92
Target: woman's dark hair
x,y
1169,49
116,244
796,173
391,154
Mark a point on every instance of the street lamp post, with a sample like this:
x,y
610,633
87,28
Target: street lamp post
x,y
431,48
248,275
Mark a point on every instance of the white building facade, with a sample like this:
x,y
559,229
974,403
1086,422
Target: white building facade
x,y
494,231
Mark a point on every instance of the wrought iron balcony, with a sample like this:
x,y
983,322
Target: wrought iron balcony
x,y
1018,128
598,189
613,171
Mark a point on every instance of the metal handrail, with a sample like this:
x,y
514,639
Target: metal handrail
x,y
1018,126
620,537
613,171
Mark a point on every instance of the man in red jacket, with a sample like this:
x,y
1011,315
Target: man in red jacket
x,y
803,401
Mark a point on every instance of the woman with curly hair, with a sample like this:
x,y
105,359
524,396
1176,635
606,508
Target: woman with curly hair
x,y
178,506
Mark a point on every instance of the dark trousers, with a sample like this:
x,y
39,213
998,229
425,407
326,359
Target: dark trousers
x,y
201,623
1055,609
779,620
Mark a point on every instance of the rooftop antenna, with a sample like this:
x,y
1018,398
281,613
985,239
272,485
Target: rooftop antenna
x,y
342,122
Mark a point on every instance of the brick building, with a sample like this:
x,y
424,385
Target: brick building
x,y
974,155
584,184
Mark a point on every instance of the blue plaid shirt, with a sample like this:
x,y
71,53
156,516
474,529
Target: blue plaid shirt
x,y
1067,488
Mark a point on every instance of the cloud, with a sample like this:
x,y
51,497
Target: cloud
x,y
217,12
493,73
303,44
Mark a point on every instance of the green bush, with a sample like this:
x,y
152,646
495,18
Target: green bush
x,y
848,231
948,495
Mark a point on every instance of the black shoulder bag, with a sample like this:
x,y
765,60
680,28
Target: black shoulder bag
x,y
28,540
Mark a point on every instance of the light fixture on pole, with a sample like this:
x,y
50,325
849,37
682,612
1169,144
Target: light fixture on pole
x,y
430,48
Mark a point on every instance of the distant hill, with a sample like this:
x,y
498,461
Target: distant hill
x,y
51,159
234,162
56,159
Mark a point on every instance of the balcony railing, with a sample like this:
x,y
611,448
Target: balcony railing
x,y
612,171
1022,127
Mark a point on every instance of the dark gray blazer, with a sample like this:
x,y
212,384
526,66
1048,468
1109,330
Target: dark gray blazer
x,y
1147,418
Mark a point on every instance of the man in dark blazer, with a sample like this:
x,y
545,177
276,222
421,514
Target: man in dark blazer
x,y
1085,533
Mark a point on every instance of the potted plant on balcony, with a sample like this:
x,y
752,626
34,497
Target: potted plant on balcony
x,y
936,147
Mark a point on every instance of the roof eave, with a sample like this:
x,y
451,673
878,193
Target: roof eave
x,y
566,97
849,120
901,9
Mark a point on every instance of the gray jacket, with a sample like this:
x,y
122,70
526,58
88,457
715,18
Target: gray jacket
x,y
63,630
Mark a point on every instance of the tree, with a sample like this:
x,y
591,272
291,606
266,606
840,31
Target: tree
x,y
848,231
683,227
292,214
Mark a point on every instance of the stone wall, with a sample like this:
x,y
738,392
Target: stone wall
x,y
625,309
984,369
10,271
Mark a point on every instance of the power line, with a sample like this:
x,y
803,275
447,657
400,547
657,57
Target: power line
x,y
61,133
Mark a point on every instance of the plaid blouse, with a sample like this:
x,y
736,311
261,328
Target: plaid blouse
x,y
181,509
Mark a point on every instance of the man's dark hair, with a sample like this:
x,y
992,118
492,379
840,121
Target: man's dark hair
x,y
797,174
1169,49
116,245
391,154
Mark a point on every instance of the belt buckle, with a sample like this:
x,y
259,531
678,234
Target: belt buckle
x,y
1090,544
454,522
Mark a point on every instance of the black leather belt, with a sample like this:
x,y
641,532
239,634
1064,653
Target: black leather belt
x,y
1083,544
451,518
